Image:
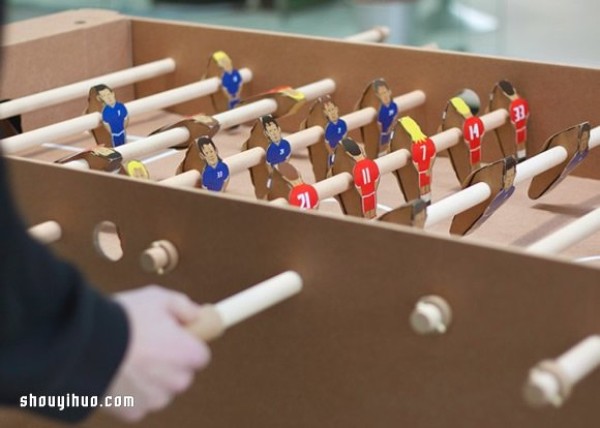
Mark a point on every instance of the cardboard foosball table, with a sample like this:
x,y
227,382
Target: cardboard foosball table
x,y
342,353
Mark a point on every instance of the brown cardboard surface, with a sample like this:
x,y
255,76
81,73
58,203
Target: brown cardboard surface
x,y
45,53
341,353
318,152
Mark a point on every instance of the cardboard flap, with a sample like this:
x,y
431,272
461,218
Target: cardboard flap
x,y
289,100
512,136
377,136
100,159
259,174
494,176
413,213
7,129
229,95
320,152
198,126
575,141
281,181
10,126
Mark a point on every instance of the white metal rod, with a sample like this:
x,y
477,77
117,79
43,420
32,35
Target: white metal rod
x,y
245,160
457,203
81,89
335,185
180,95
312,91
80,124
256,299
374,35
47,232
581,360
539,163
154,143
186,179
569,235
546,386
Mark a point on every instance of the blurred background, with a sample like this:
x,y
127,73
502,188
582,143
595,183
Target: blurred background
x,y
564,32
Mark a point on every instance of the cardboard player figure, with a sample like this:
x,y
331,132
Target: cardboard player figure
x,y
413,213
505,96
366,176
301,195
215,175
499,176
335,130
231,79
575,140
459,113
423,155
508,177
114,115
279,149
324,113
386,117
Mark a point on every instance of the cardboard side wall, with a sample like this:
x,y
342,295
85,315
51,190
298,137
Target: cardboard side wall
x,y
340,354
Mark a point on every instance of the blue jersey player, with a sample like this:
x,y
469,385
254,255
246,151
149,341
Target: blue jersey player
x,y
388,111
215,175
231,79
335,130
114,114
279,150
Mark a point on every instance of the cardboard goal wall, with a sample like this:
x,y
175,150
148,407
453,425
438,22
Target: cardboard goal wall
x,y
341,354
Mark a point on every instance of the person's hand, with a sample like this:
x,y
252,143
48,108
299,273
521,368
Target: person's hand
x,y
162,356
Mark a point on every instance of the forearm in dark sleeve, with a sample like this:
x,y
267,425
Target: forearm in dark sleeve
x,y
57,335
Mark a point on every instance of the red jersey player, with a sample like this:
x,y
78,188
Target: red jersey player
x,y
301,195
473,130
423,154
366,177
519,113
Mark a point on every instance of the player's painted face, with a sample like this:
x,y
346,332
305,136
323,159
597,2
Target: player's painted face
x,y
107,97
210,154
226,64
273,131
384,94
331,111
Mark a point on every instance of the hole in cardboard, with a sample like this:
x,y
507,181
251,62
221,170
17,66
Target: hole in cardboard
x,y
80,22
107,241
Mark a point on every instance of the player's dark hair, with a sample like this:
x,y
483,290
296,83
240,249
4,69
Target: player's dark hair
x,y
507,87
419,205
379,83
205,141
266,120
510,162
351,146
101,87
